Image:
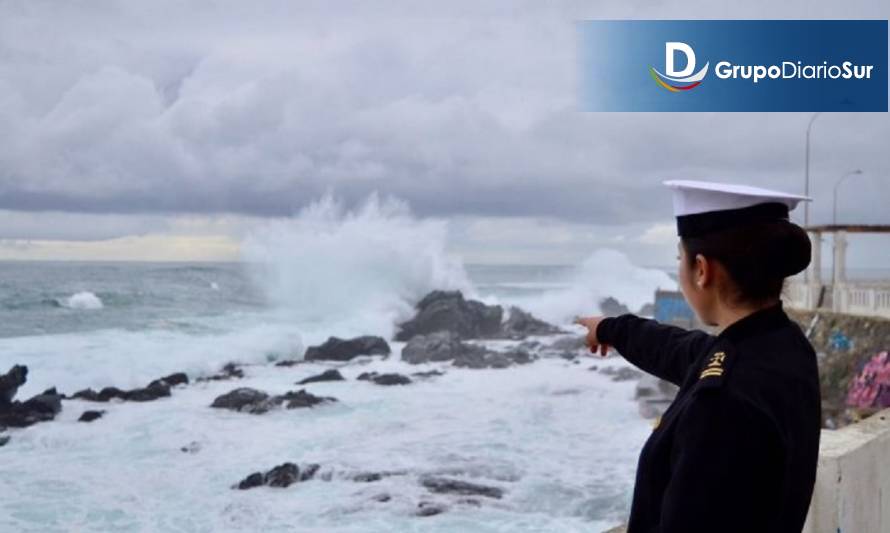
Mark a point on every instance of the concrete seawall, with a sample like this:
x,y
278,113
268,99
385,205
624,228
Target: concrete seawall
x,y
852,493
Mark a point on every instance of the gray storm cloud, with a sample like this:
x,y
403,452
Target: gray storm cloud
x,y
258,108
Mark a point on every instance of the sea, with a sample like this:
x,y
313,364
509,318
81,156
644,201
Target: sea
x,y
560,439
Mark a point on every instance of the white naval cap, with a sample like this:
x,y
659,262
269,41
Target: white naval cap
x,y
702,206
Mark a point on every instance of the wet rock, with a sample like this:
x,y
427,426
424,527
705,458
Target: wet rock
x,y
428,374
444,485
446,346
521,324
229,371
40,408
290,362
449,311
367,477
192,447
251,481
4,440
623,373
89,416
10,383
435,347
611,307
157,389
327,375
244,399
283,475
384,379
382,498
179,378
336,349
492,359
430,509
301,398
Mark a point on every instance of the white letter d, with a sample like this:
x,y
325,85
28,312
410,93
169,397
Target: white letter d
x,y
669,49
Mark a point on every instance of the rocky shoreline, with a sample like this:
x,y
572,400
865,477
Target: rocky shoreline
x,y
447,331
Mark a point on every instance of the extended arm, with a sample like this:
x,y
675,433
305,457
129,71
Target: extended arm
x,y
662,350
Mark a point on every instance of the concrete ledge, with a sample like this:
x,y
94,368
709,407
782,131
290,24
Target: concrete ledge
x,y
852,492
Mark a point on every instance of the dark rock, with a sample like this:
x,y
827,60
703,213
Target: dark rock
x,y
251,481
40,408
491,359
611,307
434,347
290,362
382,498
245,400
336,349
192,447
229,371
446,346
521,324
443,485
4,439
623,373
384,379
109,393
10,383
308,472
89,416
327,375
428,374
430,509
449,311
283,475
86,394
301,398
48,403
392,379
179,378
157,389
367,477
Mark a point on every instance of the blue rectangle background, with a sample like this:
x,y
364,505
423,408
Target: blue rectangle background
x,y
615,57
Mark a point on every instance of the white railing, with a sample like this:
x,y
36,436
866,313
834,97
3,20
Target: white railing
x,y
855,298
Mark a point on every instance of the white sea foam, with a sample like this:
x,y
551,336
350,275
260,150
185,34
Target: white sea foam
x,y
82,300
560,440
605,273
364,267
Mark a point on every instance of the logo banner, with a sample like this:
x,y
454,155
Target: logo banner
x,y
733,65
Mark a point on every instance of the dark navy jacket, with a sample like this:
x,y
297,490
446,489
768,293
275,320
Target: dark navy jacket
x,y
737,449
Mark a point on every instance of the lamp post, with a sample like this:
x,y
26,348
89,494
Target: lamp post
x,y
806,183
836,185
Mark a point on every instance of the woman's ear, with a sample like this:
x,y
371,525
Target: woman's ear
x,y
703,273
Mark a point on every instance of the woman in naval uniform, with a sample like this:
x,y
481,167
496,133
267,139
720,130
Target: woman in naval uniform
x,y
737,449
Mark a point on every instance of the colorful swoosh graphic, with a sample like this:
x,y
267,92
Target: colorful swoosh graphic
x,y
672,88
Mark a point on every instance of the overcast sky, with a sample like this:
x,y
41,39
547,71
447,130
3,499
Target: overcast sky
x,y
167,129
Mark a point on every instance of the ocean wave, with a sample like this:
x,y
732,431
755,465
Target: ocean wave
x,y
81,300
365,267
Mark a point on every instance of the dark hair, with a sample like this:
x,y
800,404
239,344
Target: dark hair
x,y
758,257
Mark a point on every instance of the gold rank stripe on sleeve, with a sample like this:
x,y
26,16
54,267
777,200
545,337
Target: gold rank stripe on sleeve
x,y
711,372
714,367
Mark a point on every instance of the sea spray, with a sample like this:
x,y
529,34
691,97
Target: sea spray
x,y
361,269
82,300
605,273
